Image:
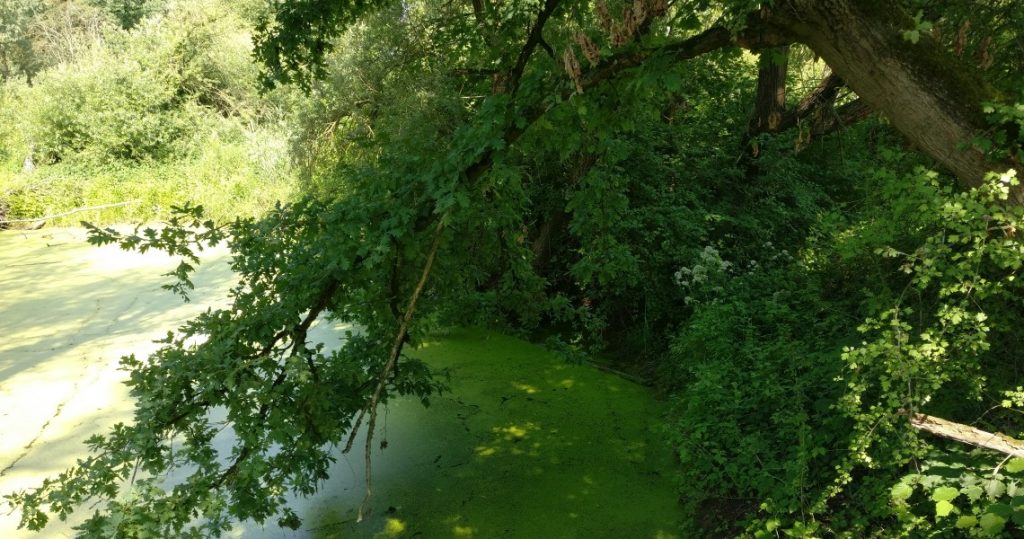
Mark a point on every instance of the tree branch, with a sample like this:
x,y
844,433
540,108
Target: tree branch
x,y
69,212
536,37
302,330
821,97
848,114
708,41
824,93
967,434
396,350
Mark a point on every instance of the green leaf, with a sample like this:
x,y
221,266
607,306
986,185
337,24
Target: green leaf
x,y
966,521
973,492
1016,465
945,494
992,523
943,508
901,491
995,488
1000,509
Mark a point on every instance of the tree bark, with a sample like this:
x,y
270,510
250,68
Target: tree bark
x,y
770,101
931,96
967,434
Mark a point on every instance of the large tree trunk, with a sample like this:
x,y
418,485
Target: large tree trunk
x,y
770,102
928,94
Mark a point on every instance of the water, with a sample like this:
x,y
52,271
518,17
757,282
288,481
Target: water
x,y
524,445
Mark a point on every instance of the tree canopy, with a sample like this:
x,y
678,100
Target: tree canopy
x,y
806,249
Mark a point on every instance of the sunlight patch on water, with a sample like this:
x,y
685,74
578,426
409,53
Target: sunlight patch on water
x,y
394,527
525,388
463,531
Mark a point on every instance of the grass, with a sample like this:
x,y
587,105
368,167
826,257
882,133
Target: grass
x,y
228,179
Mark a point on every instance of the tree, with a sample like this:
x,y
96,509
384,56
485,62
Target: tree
x,y
418,223
38,35
929,95
15,43
932,96
127,13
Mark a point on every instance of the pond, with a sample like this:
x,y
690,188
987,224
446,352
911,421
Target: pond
x,y
524,445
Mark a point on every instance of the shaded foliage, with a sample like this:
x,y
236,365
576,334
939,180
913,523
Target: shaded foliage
x,y
556,168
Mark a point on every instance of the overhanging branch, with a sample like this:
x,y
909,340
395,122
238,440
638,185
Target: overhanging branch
x,y
822,97
535,38
707,41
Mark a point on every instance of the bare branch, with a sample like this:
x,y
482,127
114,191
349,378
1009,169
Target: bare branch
x,y
823,95
848,114
396,351
967,434
70,212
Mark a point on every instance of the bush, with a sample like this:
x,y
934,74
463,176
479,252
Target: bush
x,y
757,365
227,179
204,52
103,109
167,110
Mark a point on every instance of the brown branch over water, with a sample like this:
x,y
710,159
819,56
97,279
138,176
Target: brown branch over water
x,y
396,351
69,212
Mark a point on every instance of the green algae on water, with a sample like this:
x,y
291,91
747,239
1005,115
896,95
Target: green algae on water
x,y
524,445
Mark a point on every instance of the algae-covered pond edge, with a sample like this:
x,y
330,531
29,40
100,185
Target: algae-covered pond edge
x,y
524,444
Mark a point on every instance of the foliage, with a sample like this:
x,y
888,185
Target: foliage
x,y
37,35
15,44
754,418
128,13
756,352
104,111
291,56
962,279
270,380
170,108
383,87
235,176
795,298
960,492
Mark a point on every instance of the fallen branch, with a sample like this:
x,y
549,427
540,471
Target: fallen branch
x,y
967,434
396,351
70,212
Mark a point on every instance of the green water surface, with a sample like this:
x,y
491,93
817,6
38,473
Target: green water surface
x,y
525,445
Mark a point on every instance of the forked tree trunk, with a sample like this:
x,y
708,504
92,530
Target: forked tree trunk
x,y
931,96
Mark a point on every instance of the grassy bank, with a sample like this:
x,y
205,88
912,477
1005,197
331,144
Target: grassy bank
x,y
227,182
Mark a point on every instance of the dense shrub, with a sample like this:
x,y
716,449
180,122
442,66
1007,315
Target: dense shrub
x,y
229,178
757,365
105,109
169,109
